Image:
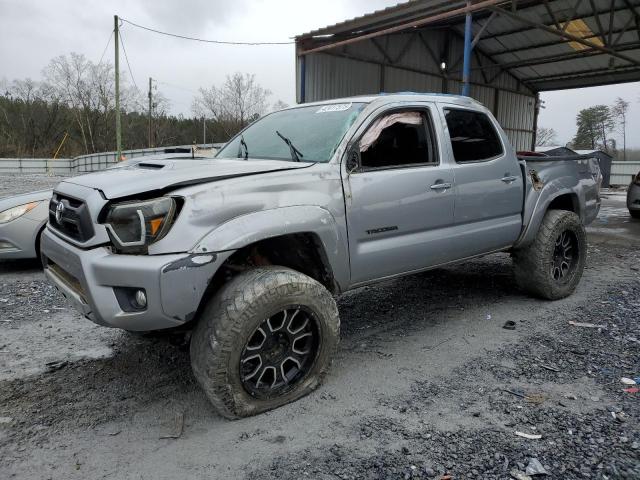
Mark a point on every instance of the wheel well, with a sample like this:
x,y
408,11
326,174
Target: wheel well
x,y
568,202
300,251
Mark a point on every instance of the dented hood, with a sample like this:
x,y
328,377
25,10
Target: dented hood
x,y
152,175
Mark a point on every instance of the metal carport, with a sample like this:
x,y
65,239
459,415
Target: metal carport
x,y
508,53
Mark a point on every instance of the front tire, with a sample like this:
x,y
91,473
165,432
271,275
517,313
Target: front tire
x,y
265,339
37,246
551,267
635,214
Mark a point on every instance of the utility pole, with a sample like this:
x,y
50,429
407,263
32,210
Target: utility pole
x,y
150,110
204,131
116,37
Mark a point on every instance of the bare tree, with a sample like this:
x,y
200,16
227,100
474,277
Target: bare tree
x,y
619,112
278,105
545,137
77,97
88,90
162,131
69,78
239,101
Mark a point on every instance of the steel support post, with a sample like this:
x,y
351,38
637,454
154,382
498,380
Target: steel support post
x,y
468,47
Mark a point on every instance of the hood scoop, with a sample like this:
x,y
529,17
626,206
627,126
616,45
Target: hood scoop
x,y
151,166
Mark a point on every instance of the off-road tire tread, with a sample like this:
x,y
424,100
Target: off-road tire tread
x,y
531,263
219,331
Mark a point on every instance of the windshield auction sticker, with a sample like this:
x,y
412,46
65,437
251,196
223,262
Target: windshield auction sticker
x,y
336,107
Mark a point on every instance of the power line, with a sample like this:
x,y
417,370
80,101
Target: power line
x,y
128,66
184,37
105,48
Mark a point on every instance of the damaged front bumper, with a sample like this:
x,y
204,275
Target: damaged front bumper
x,y
103,285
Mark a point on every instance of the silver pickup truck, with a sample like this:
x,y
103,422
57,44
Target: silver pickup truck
x,y
250,248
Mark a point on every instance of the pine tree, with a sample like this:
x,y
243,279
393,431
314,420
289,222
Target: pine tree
x,y
594,124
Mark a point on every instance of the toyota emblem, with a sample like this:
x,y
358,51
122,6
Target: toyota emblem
x,y
59,212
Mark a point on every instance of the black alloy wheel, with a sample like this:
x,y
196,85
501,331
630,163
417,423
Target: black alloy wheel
x,y
565,255
279,353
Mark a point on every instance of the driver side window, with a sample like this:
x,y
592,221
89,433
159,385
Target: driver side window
x,y
398,139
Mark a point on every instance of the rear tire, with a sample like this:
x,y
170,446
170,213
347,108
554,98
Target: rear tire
x,y
265,339
551,266
635,213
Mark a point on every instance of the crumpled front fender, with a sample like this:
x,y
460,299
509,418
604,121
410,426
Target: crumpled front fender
x,y
254,227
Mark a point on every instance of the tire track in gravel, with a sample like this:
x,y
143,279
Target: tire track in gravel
x,y
571,408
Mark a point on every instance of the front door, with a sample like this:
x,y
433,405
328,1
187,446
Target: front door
x,y
400,199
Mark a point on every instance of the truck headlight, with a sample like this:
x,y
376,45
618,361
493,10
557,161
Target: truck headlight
x,y
135,225
12,213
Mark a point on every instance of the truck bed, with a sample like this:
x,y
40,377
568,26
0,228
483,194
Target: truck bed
x,y
545,176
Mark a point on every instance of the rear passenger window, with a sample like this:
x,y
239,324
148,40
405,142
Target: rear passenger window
x,y
473,136
398,139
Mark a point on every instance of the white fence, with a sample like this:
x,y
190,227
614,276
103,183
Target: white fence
x,y
60,166
623,172
83,163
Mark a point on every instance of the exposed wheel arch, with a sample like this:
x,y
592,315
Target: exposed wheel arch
x,y
302,252
540,204
566,201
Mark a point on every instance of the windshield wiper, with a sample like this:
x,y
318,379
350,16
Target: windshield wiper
x,y
240,147
296,154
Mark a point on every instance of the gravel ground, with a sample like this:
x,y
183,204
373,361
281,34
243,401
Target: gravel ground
x,y
563,385
14,183
426,384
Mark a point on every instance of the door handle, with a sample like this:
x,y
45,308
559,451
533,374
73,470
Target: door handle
x,y
441,186
509,179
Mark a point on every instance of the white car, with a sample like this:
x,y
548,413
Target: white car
x,y
22,219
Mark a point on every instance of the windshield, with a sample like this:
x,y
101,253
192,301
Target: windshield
x,y
315,132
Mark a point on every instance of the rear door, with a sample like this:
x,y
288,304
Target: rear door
x,y
489,187
399,197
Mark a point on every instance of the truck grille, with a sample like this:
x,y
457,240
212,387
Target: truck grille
x,y
72,219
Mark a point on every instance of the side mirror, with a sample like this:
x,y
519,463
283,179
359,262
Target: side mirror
x,y
353,160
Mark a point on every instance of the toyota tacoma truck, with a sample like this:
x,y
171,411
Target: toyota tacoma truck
x,y
250,248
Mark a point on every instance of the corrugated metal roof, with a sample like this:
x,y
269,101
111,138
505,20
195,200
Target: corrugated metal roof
x,y
402,11
529,45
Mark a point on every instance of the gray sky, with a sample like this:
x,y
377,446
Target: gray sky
x,y
35,31
561,108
